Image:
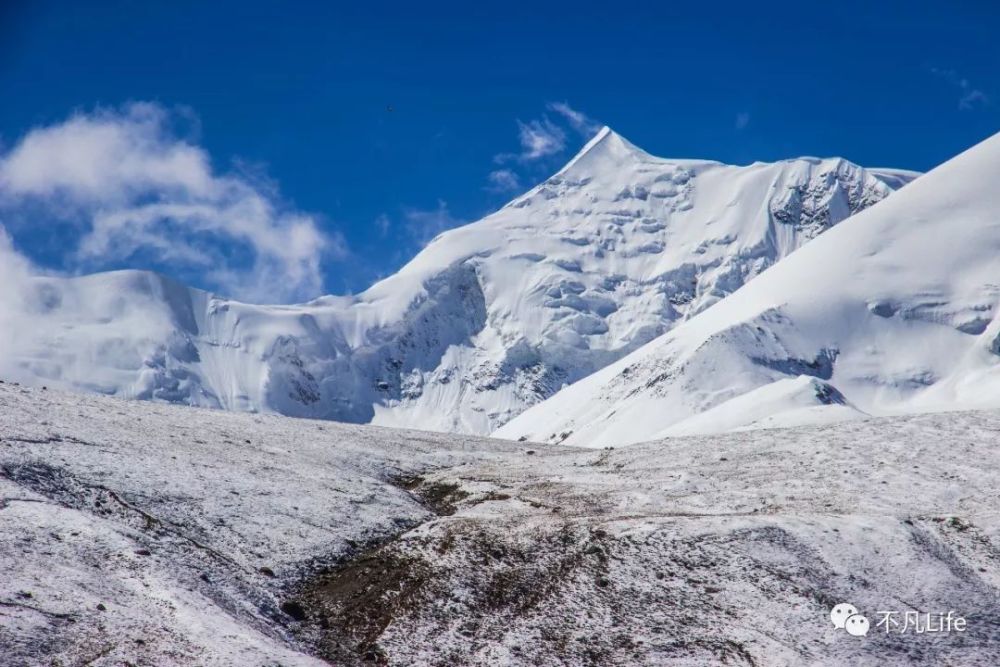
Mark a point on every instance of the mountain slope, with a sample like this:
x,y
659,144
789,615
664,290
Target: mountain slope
x,y
143,534
613,250
892,311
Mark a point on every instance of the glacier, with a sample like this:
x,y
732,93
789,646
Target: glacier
x,y
893,311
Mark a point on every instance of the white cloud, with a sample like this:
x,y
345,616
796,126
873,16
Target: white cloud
x,y
545,137
742,120
578,120
424,225
503,180
540,138
132,186
105,157
383,224
969,96
15,274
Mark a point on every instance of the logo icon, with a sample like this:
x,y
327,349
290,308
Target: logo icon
x,y
847,617
841,613
857,625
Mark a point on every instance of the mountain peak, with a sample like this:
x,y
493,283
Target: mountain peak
x,y
486,321
877,316
607,146
602,134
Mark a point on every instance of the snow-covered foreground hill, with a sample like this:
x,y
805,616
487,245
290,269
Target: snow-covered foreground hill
x,y
893,311
615,249
135,533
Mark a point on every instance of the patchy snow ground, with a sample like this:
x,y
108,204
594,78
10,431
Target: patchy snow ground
x,y
145,534
184,524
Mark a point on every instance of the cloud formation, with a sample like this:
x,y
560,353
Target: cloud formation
x,y
544,137
579,121
383,224
424,225
969,97
131,187
15,272
503,180
540,138
742,120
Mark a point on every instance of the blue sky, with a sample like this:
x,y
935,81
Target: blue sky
x,y
286,110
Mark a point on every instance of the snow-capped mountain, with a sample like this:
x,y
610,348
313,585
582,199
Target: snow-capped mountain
x,y
893,311
612,251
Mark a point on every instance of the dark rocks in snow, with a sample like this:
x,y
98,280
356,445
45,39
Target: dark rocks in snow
x,y
441,497
353,604
294,609
883,308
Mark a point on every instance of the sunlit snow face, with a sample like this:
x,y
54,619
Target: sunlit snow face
x,y
857,625
840,614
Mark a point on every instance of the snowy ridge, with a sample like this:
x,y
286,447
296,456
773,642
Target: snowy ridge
x,y
614,250
893,311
